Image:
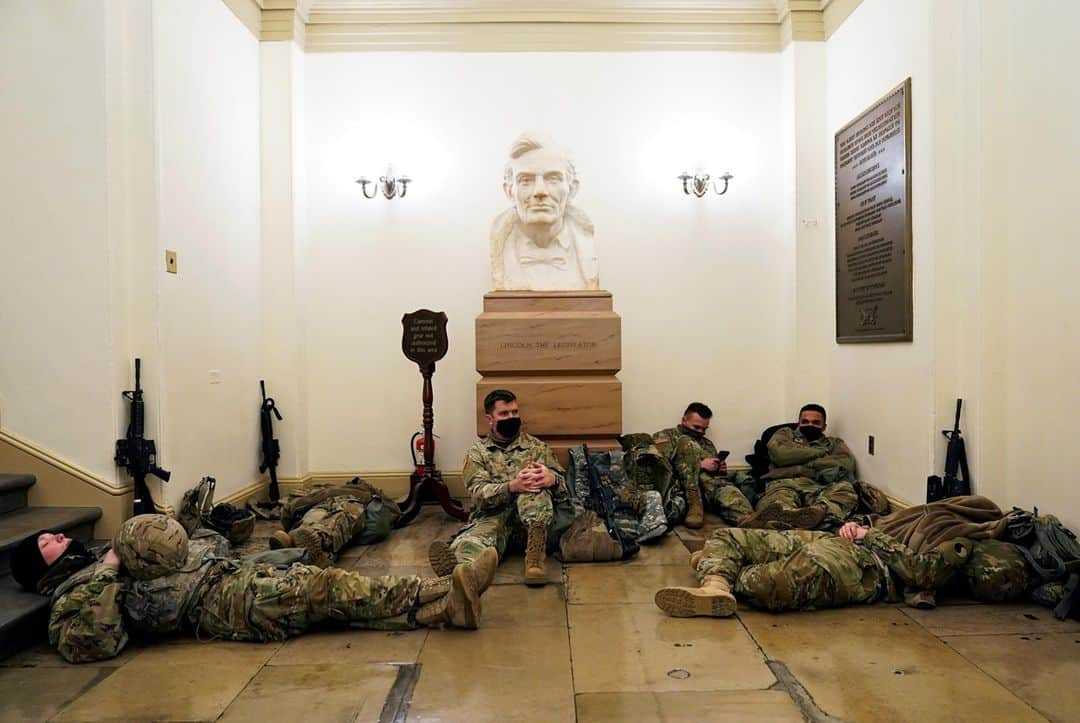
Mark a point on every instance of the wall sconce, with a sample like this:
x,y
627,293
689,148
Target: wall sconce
x,y
700,185
389,185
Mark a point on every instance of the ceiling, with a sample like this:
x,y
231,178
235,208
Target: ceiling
x,y
521,25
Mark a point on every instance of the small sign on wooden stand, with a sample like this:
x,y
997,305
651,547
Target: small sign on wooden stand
x,y
424,341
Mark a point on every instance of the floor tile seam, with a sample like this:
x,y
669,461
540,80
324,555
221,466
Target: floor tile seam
x,y
95,682
245,685
1002,684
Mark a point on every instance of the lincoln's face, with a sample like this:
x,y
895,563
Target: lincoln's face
x,y
540,187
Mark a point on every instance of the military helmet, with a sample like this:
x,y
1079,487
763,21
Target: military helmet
x,y
235,523
151,546
997,571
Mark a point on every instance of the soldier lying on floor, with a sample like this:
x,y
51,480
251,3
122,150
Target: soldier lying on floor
x,y
155,579
811,483
323,520
807,570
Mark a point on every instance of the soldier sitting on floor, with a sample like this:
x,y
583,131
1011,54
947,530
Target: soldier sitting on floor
x,y
155,579
323,520
811,483
518,491
808,570
700,475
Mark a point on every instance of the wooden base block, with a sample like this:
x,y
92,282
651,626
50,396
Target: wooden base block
x,y
548,341
559,405
547,301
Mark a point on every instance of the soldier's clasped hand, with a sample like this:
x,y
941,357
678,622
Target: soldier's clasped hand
x,y
853,531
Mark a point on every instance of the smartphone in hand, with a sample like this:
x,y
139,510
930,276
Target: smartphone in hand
x,y
723,454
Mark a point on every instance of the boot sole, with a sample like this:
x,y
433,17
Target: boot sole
x,y
472,610
681,602
310,541
441,558
536,580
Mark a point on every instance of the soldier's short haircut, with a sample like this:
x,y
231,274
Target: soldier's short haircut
x,y
699,409
814,408
497,395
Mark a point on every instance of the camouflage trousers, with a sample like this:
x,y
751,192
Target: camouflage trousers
x,y
260,602
336,521
508,525
722,497
791,570
839,498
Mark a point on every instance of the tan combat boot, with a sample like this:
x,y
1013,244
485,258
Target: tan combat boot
x,y
310,540
442,558
713,598
459,607
695,558
695,509
536,556
280,539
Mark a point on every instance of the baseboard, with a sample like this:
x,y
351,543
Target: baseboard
x,y
895,503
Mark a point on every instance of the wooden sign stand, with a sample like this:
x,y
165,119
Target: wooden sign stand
x,y
424,341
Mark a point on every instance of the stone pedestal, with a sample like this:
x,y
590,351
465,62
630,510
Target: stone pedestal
x,y
558,351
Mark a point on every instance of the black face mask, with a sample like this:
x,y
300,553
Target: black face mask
x,y
812,434
508,428
691,432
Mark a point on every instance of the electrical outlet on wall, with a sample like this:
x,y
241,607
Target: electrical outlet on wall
x,y
215,376
870,444
170,261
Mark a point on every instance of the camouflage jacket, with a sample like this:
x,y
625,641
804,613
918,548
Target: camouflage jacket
x,y
92,610
685,453
827,459
897,562
489,468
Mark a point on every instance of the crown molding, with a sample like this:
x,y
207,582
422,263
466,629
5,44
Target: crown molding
x,y
555,25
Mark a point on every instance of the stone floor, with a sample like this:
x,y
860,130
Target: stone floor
x,y
591,646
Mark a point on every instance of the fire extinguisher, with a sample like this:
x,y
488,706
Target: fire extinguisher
x,y
416,447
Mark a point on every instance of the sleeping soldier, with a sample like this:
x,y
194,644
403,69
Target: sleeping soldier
x,y
807,570
323,520
155,579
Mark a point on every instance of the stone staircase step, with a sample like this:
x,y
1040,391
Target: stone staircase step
x,y
24,617
13,490
76,522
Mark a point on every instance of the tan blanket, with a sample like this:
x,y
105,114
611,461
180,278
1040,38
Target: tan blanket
x,y
926,526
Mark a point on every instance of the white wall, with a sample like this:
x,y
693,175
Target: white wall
x,y
1023,116
881,389
703,286
56,379
206,86
994,165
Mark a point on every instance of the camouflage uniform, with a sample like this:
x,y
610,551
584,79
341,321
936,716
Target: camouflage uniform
x,y
239,600
806,474
718,493
807,570
336,514
499,516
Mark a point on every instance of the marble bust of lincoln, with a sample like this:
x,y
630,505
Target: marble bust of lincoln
x,y
542,242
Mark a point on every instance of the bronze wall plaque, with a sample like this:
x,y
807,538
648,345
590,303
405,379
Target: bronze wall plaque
x,y
423,337
873,222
